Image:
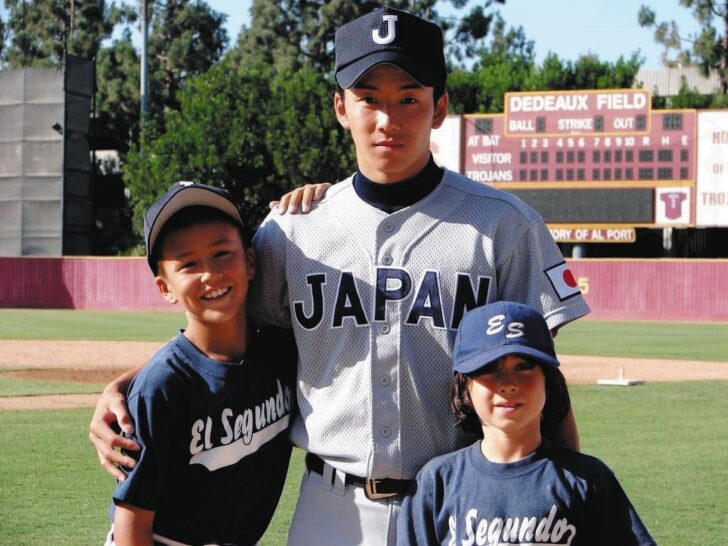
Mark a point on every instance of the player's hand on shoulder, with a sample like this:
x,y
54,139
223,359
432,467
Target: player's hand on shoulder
x,y
111,412
300,199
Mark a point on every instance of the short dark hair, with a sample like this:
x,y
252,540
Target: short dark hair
x,y
557,406
192,216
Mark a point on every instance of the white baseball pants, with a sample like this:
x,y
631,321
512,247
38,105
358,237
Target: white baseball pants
x,y
334,514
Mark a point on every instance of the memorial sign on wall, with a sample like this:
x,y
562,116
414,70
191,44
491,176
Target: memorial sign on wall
x,y
711,196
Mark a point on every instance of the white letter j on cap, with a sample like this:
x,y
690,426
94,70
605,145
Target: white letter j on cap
x,y
391,32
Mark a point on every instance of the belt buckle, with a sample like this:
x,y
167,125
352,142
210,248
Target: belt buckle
x,y
370,489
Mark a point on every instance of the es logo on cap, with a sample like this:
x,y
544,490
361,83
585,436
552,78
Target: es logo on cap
x,y
388,38
495,325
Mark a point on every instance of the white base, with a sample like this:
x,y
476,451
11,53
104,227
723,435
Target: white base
x,y
620,381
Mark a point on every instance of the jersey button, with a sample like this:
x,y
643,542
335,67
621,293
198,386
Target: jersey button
x,y
386,432
384,380
387,260
384,328
389,228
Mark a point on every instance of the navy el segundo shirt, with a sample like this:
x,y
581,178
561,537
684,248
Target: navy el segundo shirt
x,y
214,439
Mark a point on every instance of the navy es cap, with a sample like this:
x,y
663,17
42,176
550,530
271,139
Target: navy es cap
x,y
391,36
184,194
498,329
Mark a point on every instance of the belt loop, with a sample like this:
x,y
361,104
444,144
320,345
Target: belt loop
x,y
339,482
328,475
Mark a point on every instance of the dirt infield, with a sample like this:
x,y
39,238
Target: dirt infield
x,y
100,361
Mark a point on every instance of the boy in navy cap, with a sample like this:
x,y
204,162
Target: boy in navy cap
x,y
515,485
211,408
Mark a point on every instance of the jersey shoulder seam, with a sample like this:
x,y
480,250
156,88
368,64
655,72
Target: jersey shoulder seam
x,y
463,184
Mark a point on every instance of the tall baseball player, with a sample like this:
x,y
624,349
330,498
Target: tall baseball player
x,y
374,282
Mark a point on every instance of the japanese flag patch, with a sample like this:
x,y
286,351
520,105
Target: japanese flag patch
x,y
563,281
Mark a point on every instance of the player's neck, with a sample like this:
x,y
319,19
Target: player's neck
x,y
392,197
384,177
224,342
501,447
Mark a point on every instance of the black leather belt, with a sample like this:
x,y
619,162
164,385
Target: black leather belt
x,y
373,489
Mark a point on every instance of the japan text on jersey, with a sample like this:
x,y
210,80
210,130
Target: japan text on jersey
x,y
391,285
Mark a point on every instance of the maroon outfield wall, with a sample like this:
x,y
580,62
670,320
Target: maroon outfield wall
x,y
79,283
657,289
689,290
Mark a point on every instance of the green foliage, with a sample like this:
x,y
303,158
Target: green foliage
x,y
289,34
251,131
509,65
2,40
505,66
305,141
707,49
690,98
186,38
117,92
41,31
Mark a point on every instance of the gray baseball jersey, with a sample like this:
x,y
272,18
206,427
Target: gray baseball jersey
x,y
375,299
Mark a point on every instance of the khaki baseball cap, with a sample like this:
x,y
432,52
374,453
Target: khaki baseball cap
x,y
180,195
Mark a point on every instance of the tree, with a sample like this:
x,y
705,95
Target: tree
x,y
289,34
707,49
117,88
504,66
2,40
508,64
587,72
251,131
41,31
187,37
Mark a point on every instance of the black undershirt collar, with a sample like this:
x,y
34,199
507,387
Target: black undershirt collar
x,y
393,197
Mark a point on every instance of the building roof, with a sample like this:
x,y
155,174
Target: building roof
x,y
666,82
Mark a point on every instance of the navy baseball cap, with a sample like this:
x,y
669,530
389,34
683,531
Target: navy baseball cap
x,y
498,329
391,36
184,194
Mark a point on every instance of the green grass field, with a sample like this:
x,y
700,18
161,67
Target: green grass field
x,y
90,325
672,340
10,386
665,441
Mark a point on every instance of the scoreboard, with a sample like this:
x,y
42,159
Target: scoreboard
x,y
592,163
663,154
572,112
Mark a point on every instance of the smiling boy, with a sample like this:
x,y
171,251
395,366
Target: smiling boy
x,y
211,408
